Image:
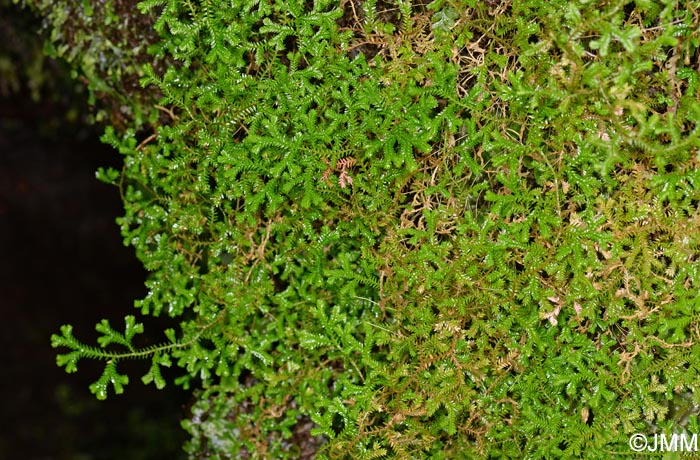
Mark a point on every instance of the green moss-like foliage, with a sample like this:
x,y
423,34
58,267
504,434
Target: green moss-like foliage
x,y
454,229
107,43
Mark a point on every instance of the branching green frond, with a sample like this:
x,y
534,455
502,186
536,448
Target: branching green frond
x,y
399,230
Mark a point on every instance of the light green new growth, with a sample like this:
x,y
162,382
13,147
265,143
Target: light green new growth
x,y
394,229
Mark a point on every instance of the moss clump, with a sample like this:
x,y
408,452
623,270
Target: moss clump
x,y
412,230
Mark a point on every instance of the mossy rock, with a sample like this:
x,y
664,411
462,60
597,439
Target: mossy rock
x,y
433,230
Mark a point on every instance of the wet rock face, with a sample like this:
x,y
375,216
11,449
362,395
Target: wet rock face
x,y
63,261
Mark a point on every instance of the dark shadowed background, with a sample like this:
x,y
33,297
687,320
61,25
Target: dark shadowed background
x,y
63,261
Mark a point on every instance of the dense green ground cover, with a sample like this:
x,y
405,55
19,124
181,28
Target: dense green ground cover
x,y
403,229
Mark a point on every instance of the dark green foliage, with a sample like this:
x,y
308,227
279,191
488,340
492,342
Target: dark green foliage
x,y
445,230
107,44
28,75
21,59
